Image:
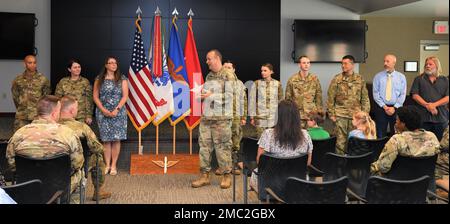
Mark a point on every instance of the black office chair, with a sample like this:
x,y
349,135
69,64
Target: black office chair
x,y
54,172
381,190
87,154
298,191
4,167
409,168
273,172
30,192
249,149
356,168
358,146
320,148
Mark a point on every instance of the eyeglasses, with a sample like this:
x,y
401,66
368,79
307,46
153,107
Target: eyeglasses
x,y
111,63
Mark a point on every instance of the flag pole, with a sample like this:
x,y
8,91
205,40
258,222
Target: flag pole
x,y
190,141
174,136
190,14
157,139
140,143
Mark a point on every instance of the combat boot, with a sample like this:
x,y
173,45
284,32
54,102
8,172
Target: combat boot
x,y
202,181
102,194
226,181
219,172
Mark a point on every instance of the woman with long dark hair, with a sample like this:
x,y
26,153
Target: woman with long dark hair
x,y
286,138
110,96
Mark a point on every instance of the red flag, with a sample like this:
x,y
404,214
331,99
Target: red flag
x,y
157,47
194,72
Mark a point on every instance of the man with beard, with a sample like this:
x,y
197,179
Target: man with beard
x,y
430,91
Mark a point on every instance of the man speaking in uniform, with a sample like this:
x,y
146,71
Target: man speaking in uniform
x,y
215,125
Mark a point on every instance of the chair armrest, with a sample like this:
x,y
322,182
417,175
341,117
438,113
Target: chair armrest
x,y
54,197
353,194
430,193
313,171
271,193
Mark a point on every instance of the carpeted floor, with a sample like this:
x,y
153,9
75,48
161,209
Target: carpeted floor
x,y
167,189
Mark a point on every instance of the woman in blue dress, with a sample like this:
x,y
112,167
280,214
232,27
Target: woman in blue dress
x,y
110,96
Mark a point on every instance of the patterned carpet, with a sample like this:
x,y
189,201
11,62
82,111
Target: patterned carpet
x,y
167,189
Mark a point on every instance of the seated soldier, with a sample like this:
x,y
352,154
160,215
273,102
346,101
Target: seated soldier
x,y
69,110
410,141
44,137
442,166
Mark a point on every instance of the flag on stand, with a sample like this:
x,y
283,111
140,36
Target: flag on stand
x,y
141,99
194,73
177,70
160,72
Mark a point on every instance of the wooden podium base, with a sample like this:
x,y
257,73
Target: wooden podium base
x,y
144,164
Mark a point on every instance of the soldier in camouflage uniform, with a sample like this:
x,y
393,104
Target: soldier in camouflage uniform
x,y
265,94
27,88
239,118
304,89
44,137
215,125
442,164
69,108
347,93
410,141
79,87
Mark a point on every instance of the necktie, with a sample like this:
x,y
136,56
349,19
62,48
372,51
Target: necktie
x,y
389,87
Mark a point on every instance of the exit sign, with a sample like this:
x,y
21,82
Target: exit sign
x,y
440,27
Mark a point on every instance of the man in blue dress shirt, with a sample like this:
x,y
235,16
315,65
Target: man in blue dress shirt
x,y
389,93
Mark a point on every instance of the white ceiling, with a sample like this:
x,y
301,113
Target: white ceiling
x,y
423,8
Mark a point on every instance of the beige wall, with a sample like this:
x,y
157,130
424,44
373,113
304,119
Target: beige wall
x,y
399,36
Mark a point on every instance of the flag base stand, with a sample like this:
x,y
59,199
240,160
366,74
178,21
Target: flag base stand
x,y
148,164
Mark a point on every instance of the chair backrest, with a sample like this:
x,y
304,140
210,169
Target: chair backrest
x,y
54,172
408,168
273,172
29,192
320,148
300,191
381,190
358,146
356,168
249,150
4,167
86,154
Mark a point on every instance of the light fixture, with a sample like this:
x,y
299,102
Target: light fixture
x,y
432,47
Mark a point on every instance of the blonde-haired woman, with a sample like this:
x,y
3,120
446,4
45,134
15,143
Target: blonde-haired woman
x,y
365,126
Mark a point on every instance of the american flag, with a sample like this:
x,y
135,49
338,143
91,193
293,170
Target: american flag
x,y
141,100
